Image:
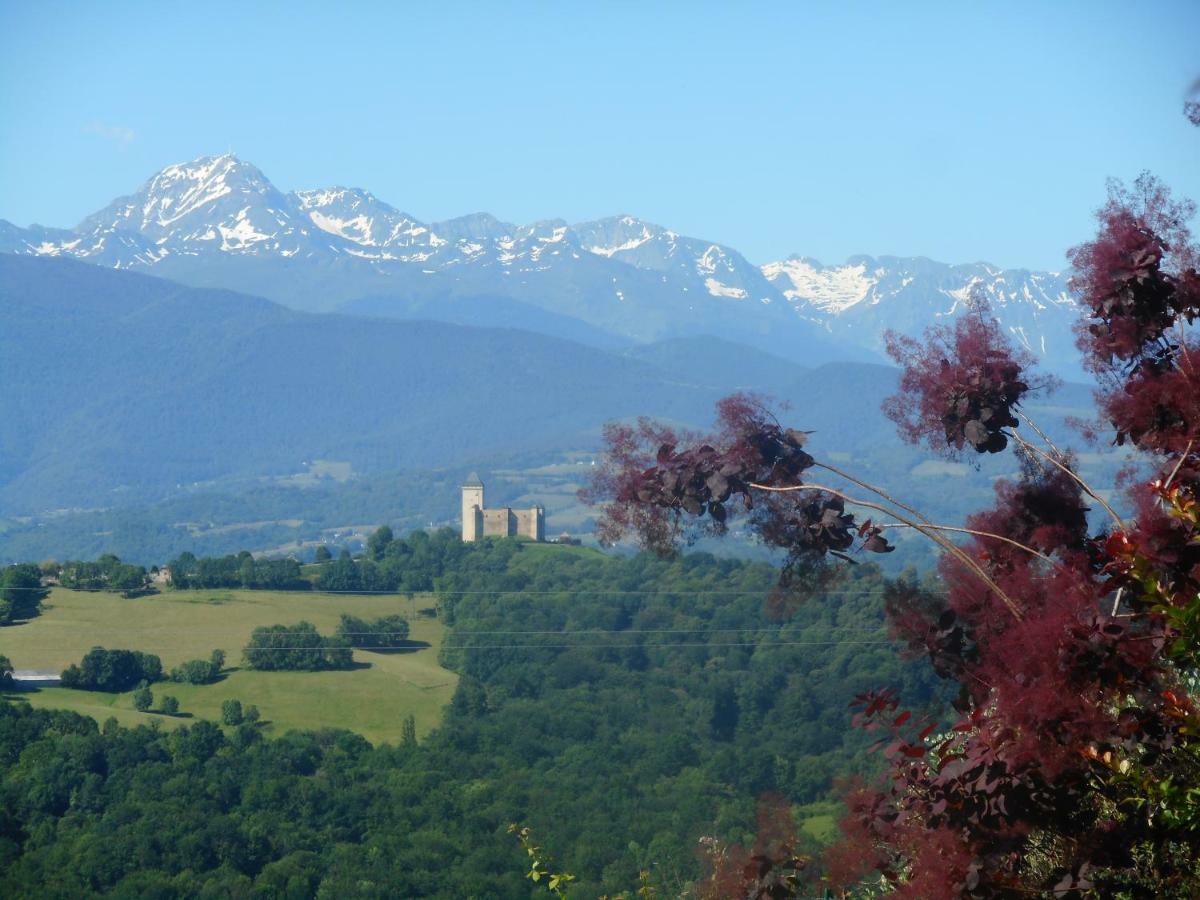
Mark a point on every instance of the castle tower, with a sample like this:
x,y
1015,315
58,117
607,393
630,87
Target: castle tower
x,y
472,508
536,521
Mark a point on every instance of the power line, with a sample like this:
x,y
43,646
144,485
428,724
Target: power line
x,y
433,594
767,629
533,646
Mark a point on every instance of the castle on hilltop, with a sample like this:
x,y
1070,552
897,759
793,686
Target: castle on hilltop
x,y
480,522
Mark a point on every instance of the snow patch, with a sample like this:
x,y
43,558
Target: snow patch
x,y
832,290
357,229
723,290
631,244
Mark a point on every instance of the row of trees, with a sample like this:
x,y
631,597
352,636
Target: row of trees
x,y
113,671
388,564
410,564
107,573
296,647
240,570
384,633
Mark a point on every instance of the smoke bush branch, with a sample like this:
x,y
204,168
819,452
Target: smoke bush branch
x,y
923,527
1066,470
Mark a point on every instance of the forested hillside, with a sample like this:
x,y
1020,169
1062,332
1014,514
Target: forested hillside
x,y
622,707
130,385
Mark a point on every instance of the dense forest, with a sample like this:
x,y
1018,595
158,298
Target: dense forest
x,y
623,707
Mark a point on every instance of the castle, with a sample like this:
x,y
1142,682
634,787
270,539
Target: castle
x,y
480,522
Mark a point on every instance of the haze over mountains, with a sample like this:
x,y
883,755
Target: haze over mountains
x,y
138,410
151,386
219,222
328,325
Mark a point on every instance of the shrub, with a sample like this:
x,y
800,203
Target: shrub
x,y
196,671
387,632
295,647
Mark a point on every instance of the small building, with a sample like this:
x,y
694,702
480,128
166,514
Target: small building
x,y
479,522
30,678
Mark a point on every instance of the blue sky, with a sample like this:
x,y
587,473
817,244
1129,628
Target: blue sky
x,y
960,131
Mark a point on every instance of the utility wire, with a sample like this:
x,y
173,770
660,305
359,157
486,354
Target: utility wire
x,y
622,646
433,594
763,629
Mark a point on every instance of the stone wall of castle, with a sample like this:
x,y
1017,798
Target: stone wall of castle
x,y
530,523
479,522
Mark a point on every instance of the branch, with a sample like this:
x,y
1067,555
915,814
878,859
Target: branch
x,y
874,489
1087,489
924,528
1175,471
1032,424
985,534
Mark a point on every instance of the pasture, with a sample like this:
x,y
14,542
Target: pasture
x,y
372,699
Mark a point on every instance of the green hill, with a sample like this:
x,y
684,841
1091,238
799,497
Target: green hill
x,y
122,386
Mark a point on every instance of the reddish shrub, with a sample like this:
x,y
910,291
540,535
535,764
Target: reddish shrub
x,y
960,386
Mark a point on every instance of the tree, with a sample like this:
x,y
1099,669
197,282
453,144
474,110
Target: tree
x,y
231,712
6,672
322,555
341,575
217,660
170,705
251,715
378,542
21,592
128,580
143,698
408,731
1072,765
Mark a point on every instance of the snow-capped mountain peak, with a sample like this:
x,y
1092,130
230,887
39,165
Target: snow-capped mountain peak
x,y
360,217
867,296
179,191
219,220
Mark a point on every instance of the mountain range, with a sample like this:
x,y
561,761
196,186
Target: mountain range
x,y
218,222
121,387
135,407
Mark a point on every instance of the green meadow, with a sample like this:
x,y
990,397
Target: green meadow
x,y
372,699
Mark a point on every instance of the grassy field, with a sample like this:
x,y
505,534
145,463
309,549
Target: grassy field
x,y
819,820
177,626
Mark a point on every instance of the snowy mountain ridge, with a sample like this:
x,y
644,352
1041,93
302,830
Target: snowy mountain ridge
x,y
218,220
